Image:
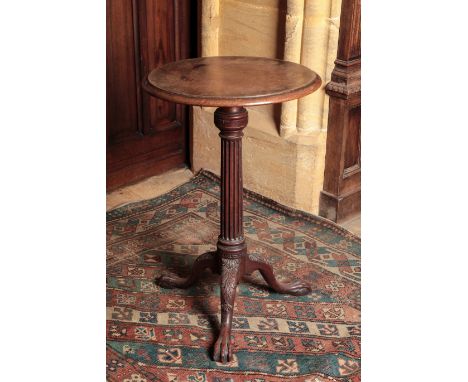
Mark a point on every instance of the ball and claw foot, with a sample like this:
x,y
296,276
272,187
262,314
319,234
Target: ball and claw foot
x,y
295,288
223,346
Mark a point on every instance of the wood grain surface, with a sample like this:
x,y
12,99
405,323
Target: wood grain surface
x,y
231,81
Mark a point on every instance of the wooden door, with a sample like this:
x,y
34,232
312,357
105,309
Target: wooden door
x,y
145,136
341,195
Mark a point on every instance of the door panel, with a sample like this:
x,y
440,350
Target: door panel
x,y
121,85
145,136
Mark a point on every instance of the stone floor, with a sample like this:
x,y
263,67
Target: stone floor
x,y
158,185
148,188
353,225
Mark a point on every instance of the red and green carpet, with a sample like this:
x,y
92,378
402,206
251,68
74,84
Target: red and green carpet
x,y
156,334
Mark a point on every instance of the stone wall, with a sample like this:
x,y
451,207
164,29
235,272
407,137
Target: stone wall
x,y
284,145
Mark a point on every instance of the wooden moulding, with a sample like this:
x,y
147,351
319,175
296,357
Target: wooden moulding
x,y
341,194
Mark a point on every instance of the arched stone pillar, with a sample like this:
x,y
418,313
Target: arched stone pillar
x,y
292,52
210,28
314,55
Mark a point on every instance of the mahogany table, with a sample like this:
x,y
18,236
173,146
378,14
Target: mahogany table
x,y
230,84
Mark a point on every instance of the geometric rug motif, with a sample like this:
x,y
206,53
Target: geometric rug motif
x,y
157,334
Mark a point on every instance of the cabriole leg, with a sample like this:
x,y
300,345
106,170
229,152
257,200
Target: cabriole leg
x,y
207,260
296,288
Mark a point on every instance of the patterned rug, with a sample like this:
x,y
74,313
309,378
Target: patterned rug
x,y
155,334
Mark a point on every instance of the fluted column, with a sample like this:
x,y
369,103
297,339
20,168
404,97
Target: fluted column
x,y
231,122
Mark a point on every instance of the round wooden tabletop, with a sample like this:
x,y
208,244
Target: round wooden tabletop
x,y
231,81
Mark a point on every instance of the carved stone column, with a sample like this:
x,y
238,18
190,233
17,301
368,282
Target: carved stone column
x,y
209,28
292,52
314,55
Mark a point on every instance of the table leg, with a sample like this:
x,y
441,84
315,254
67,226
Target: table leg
x,y
231,260
296,287
206,261
231,243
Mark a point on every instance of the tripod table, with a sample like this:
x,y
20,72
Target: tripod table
x,y
230,84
